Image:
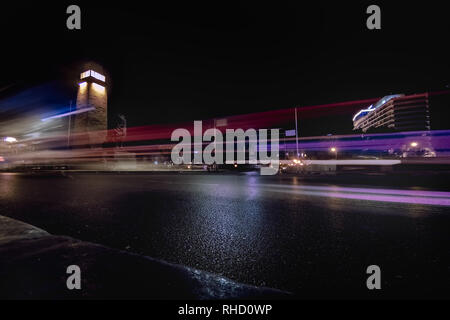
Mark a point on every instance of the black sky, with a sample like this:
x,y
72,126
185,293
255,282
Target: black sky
x,y
180,62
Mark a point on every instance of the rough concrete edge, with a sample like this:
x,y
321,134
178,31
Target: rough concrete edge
x,y
24,231
13,230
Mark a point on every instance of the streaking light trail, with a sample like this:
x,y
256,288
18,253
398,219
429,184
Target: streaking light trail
x,y
68,114
439,198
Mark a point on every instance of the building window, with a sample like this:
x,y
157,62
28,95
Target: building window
x,y
98,76
85,74
94,74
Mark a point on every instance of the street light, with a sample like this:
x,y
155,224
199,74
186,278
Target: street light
x,y
334,150
414,144
10,139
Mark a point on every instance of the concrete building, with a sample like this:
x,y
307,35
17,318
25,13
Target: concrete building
x,y
397,112
90,123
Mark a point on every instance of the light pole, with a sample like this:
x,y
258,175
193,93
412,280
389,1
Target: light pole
x,y
68,129
296,132
335,151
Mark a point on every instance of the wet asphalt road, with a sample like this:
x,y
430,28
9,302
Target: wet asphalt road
x,y
313,239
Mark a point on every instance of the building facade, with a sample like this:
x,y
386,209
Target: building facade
x,y
395,113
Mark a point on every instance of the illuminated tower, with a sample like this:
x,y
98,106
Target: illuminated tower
x,y
91,119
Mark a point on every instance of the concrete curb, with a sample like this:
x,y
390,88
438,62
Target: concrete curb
x,y
13,230
33,265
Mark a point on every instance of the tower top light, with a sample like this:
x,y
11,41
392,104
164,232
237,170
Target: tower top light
x,y
92,73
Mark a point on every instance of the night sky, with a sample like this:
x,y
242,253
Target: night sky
x,y
181,62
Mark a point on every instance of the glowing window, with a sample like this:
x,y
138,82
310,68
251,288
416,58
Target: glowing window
x,y
98,88
94,74
98,76
85,74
